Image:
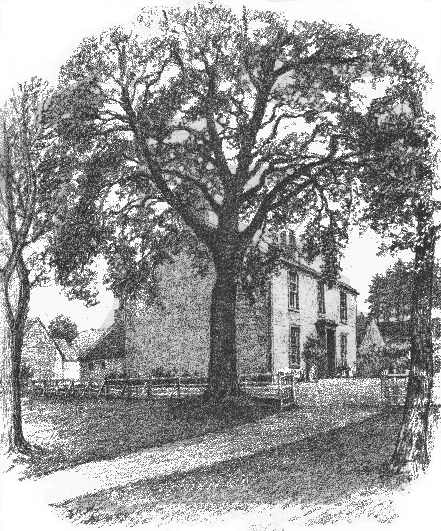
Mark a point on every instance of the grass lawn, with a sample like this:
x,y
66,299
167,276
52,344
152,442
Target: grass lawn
x,y
70,432
329,472
321,479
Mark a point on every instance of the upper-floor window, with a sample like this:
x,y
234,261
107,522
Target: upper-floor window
x,y
283,238
343,306
321,298
293,290
344,348
294,346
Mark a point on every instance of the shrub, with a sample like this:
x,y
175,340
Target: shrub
x,y
311,355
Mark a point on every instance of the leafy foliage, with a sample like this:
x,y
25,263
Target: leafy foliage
x,y
390,293
220,127
312,354
62,327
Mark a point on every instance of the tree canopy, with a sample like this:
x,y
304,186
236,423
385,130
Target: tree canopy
x,y
390,293
224,123
206,130
62,327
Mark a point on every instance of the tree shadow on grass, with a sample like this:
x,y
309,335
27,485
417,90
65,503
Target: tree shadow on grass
x,y
66,433
324,469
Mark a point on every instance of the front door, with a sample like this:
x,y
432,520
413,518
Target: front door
x,y
330,352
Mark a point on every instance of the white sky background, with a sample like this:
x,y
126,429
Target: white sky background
x,y
38,36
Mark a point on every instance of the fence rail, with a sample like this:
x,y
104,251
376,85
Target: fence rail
x,y
280,389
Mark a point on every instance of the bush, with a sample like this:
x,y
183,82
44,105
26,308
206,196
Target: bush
x,y
311,355
392,359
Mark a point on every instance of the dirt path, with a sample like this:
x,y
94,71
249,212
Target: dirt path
x,y
187,455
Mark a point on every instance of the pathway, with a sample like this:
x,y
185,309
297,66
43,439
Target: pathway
x,y
190,454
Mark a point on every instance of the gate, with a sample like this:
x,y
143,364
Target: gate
x,y
394,388
286,390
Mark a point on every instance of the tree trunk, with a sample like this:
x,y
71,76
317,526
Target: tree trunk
x,y
222,372
12,331
411,452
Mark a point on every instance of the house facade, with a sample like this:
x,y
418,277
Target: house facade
x,y
48,358
172,334
40,352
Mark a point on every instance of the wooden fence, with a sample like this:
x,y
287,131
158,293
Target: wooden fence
x,y
279,389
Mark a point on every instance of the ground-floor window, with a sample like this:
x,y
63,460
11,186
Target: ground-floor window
x,y
294,346
90,365
344,348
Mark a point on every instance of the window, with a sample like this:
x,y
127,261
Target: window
x,y
294,346
284,238
293,290
103,364
321,298
292,239
90,365
343,306
344,348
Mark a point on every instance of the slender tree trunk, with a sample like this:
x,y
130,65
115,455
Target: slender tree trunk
x,y
222,372
12,331
411,452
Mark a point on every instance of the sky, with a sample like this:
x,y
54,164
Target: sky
x,y
37,37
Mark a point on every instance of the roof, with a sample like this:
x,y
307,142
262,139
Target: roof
x,y
87,339
372,337
109,345
70,352
36,321
317,274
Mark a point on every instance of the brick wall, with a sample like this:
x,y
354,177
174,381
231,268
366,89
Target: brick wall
x,y
174,333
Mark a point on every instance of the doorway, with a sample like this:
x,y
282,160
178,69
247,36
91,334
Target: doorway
x,y
330,352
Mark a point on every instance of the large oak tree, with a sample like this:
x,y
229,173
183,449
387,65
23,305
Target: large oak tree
x,y
230,126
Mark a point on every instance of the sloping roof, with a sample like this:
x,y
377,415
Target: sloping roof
x,y
36,321
87,339
69,350
372,337
111,344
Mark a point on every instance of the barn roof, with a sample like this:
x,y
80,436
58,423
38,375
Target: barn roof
x,y
110,345
69,350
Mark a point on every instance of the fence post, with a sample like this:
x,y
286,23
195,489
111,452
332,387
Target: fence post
x,y
279,390
179,387
129,390
293,390
150,387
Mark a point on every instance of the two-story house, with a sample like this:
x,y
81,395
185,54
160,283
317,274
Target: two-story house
x,y
173,334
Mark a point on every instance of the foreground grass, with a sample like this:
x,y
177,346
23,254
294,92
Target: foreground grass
x,y
67,433
320,479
